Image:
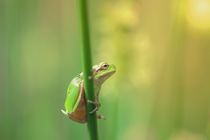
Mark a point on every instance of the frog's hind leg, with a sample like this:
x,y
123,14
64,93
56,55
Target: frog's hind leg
x,y
65,113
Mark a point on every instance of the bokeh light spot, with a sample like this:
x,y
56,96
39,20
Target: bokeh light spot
x,y
198,14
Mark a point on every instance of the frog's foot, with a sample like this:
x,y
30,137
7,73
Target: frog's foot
x,y
101,117
65,113
96,104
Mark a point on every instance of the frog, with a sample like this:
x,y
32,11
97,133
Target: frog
x,y
75,102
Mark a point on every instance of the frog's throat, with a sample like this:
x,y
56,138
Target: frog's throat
x,y
104,77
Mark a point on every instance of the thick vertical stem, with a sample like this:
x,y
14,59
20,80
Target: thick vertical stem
x,y
87,66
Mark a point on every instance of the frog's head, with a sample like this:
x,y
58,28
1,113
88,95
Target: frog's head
x,y
103,71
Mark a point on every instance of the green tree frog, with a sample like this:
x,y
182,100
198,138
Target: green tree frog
x,y
75,103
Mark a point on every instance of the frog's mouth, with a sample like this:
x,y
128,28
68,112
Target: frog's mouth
x,y
108,73
111,71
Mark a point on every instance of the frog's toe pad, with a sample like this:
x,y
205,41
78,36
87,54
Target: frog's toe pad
x,y
101,117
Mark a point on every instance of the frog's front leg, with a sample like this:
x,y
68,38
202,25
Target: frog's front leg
x,y
96,103
96,108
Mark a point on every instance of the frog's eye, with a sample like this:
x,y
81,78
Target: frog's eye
x,y
105,65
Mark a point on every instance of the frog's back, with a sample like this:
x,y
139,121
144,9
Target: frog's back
x,y
75,104
72,94
79,114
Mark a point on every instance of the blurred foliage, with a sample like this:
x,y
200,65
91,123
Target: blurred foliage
x,y
161,49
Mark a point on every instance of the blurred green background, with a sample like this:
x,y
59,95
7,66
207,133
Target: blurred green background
x,y
161,48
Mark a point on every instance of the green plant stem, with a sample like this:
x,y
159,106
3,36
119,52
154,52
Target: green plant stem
x,y
87,66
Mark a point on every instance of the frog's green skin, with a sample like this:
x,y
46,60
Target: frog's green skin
x,y
75,105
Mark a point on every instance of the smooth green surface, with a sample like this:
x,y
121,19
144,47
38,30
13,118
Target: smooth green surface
x,y
86,67
72,99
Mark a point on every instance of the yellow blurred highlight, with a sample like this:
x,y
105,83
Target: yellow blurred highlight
x,y
187,135
198,14
134,132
